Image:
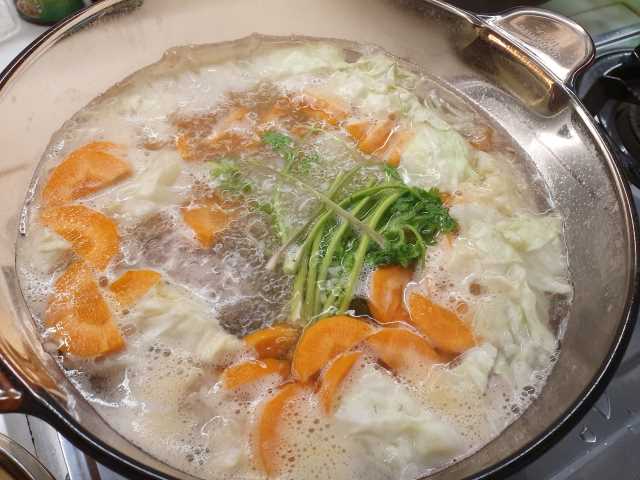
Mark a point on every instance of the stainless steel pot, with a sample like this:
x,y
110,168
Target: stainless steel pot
x,y
517,67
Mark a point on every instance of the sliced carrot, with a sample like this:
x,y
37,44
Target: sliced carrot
x,y
268,432
386,296
444,329
248,372
228,137
185,147
80,315
301,130
399,348
322,106
228,142
447,357
377,136
93,236
207,217
84,171
281,108
447,198
333,377
234,116
323,341
396,146
196,140
358,129
133,285
195,123
275,342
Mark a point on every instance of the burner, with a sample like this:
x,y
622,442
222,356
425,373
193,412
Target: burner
x,y
627,121
610,90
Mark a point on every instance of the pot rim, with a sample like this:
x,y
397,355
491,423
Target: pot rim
x,y
41,403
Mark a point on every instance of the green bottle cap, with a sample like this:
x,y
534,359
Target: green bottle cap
x,y
47,12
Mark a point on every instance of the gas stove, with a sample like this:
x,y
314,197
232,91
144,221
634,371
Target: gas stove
x,y
604,444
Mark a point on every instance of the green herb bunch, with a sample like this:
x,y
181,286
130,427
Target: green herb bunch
x,y
411,224
385,223
331,258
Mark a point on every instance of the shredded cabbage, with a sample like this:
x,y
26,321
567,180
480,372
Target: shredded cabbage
x,y
526,232
476,365
149,190
46,249
296,60
392,426
518,261
436,158
377,86
177,319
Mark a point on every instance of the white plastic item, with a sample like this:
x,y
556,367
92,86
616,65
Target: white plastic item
x,y
9,25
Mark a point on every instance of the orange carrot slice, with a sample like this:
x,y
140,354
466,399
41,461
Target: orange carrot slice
x,y
80,315
386,296
333,377
184,147
377,136
229,142
133,285
322,106
268,432
444,329
207,217
197,141
323,341
228,137
234,116
358,129
399,349
396,146
93,236
281,108
84,171
275,342
248,372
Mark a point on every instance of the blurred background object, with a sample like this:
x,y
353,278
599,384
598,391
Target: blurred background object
x,y
47,12
8,23
494,6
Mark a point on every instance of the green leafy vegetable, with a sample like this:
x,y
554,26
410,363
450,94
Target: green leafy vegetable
x,y
294,157
280,142
335,187
392,174
412,224
231,181
328,202
334,252
336,242
230,178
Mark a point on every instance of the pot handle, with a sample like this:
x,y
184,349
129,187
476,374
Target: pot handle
x,y
556,42
10,397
